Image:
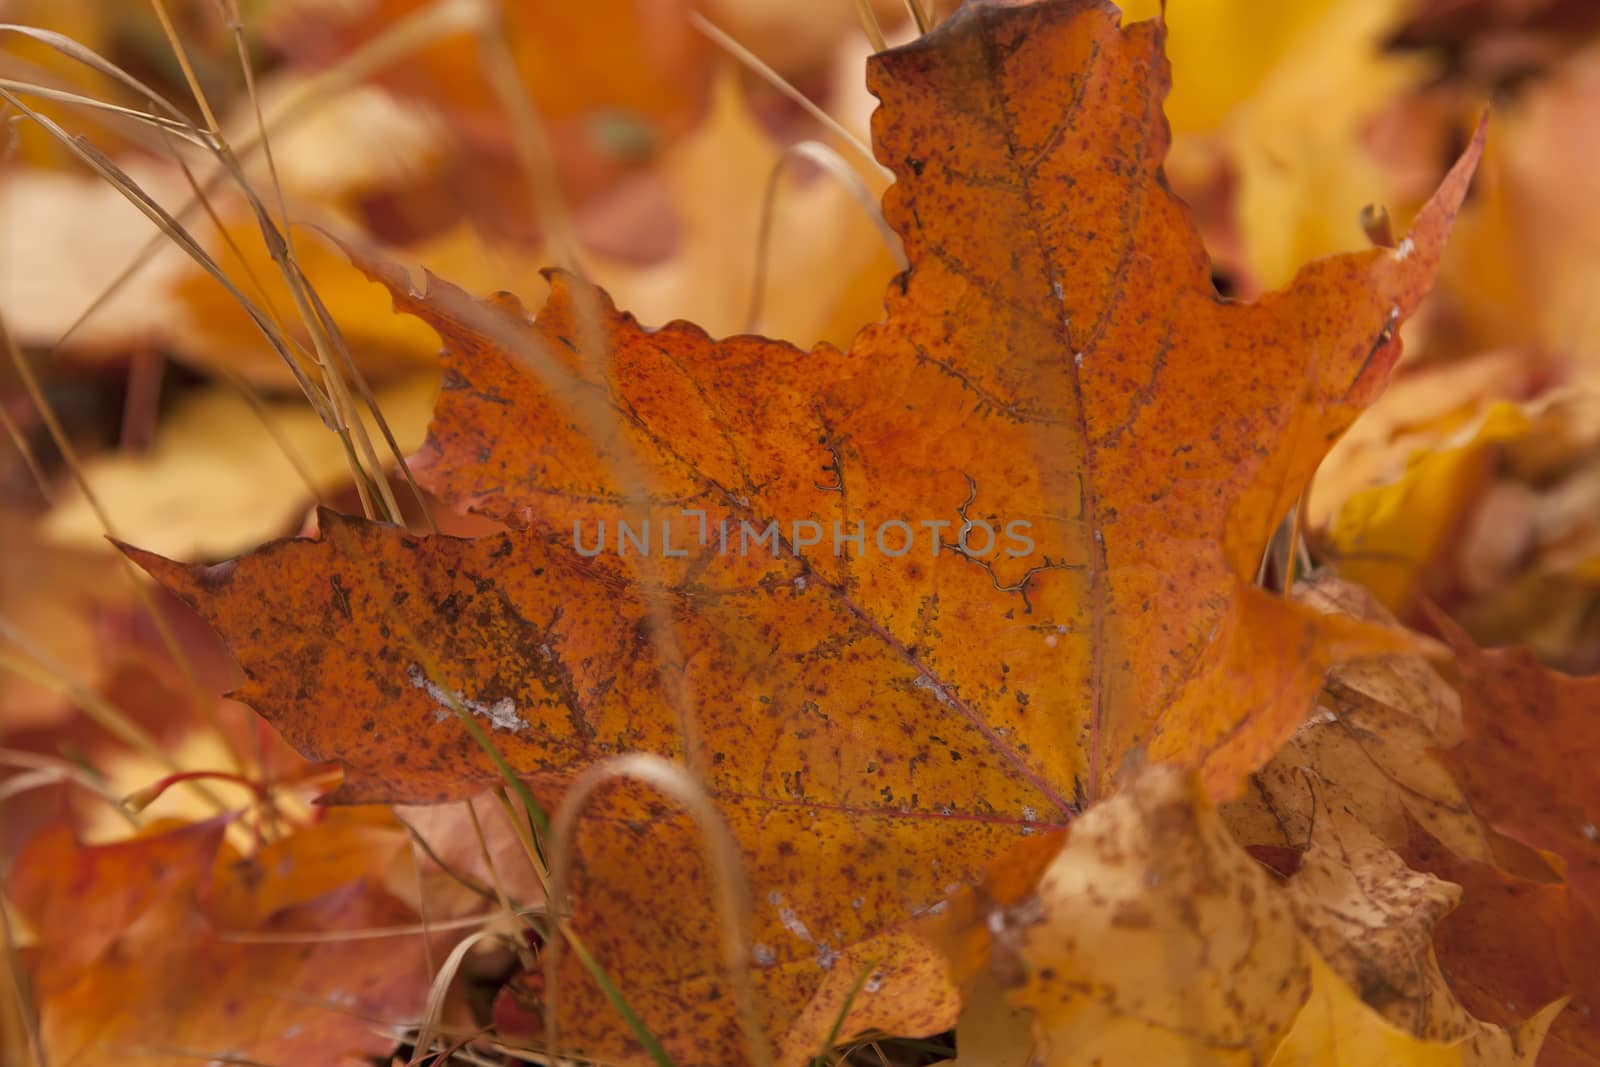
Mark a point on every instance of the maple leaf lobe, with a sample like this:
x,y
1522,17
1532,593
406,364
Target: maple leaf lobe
x,y
1056,353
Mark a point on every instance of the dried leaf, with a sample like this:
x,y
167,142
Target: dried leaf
x,y
1056,356
1392,538
1336,1030
1371,919
186,497
1154,938
141,971
1519,713
1514,946
1369,744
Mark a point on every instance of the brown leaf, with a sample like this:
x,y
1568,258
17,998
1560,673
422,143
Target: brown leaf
x,y
131,964
1370,744
883,719
1153,938
1521,715
1371,918
1513,946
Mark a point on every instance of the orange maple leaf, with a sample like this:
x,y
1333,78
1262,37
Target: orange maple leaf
x,y
875,719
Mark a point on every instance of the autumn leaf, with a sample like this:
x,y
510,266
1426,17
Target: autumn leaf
x,y
1150,938
66,891
1391,538
887,719
1338,1028
1371,919
1519,713
1369,746
1513,945
141,965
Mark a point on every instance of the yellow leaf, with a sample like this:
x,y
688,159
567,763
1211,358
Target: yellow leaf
x,y
1386,537
218,479
1248,74
1337,1030
1159,939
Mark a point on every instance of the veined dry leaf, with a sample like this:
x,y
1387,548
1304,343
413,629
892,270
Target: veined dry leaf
x,y
218,478
1337,1030
893,722
1513,946
1519,713
1371,745
1152,938
1371,919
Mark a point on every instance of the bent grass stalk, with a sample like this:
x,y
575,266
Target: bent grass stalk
x,y
722,39
727,866
835,167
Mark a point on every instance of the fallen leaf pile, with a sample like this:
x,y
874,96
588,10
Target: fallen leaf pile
x,y
1072,657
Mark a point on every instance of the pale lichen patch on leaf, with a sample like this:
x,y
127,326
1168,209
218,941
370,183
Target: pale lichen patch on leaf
x,y
502,714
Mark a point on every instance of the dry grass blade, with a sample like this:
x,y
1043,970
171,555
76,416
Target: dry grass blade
x,y
48,770
62,96
364,933
337,415
279,238
834,166
25,450
182,55
37,667
141,590
370,399
98,63
724,41
422,845
727,865
433,1010
258,407
393,45
27,1014
869,25
918,15
175,231
532,142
